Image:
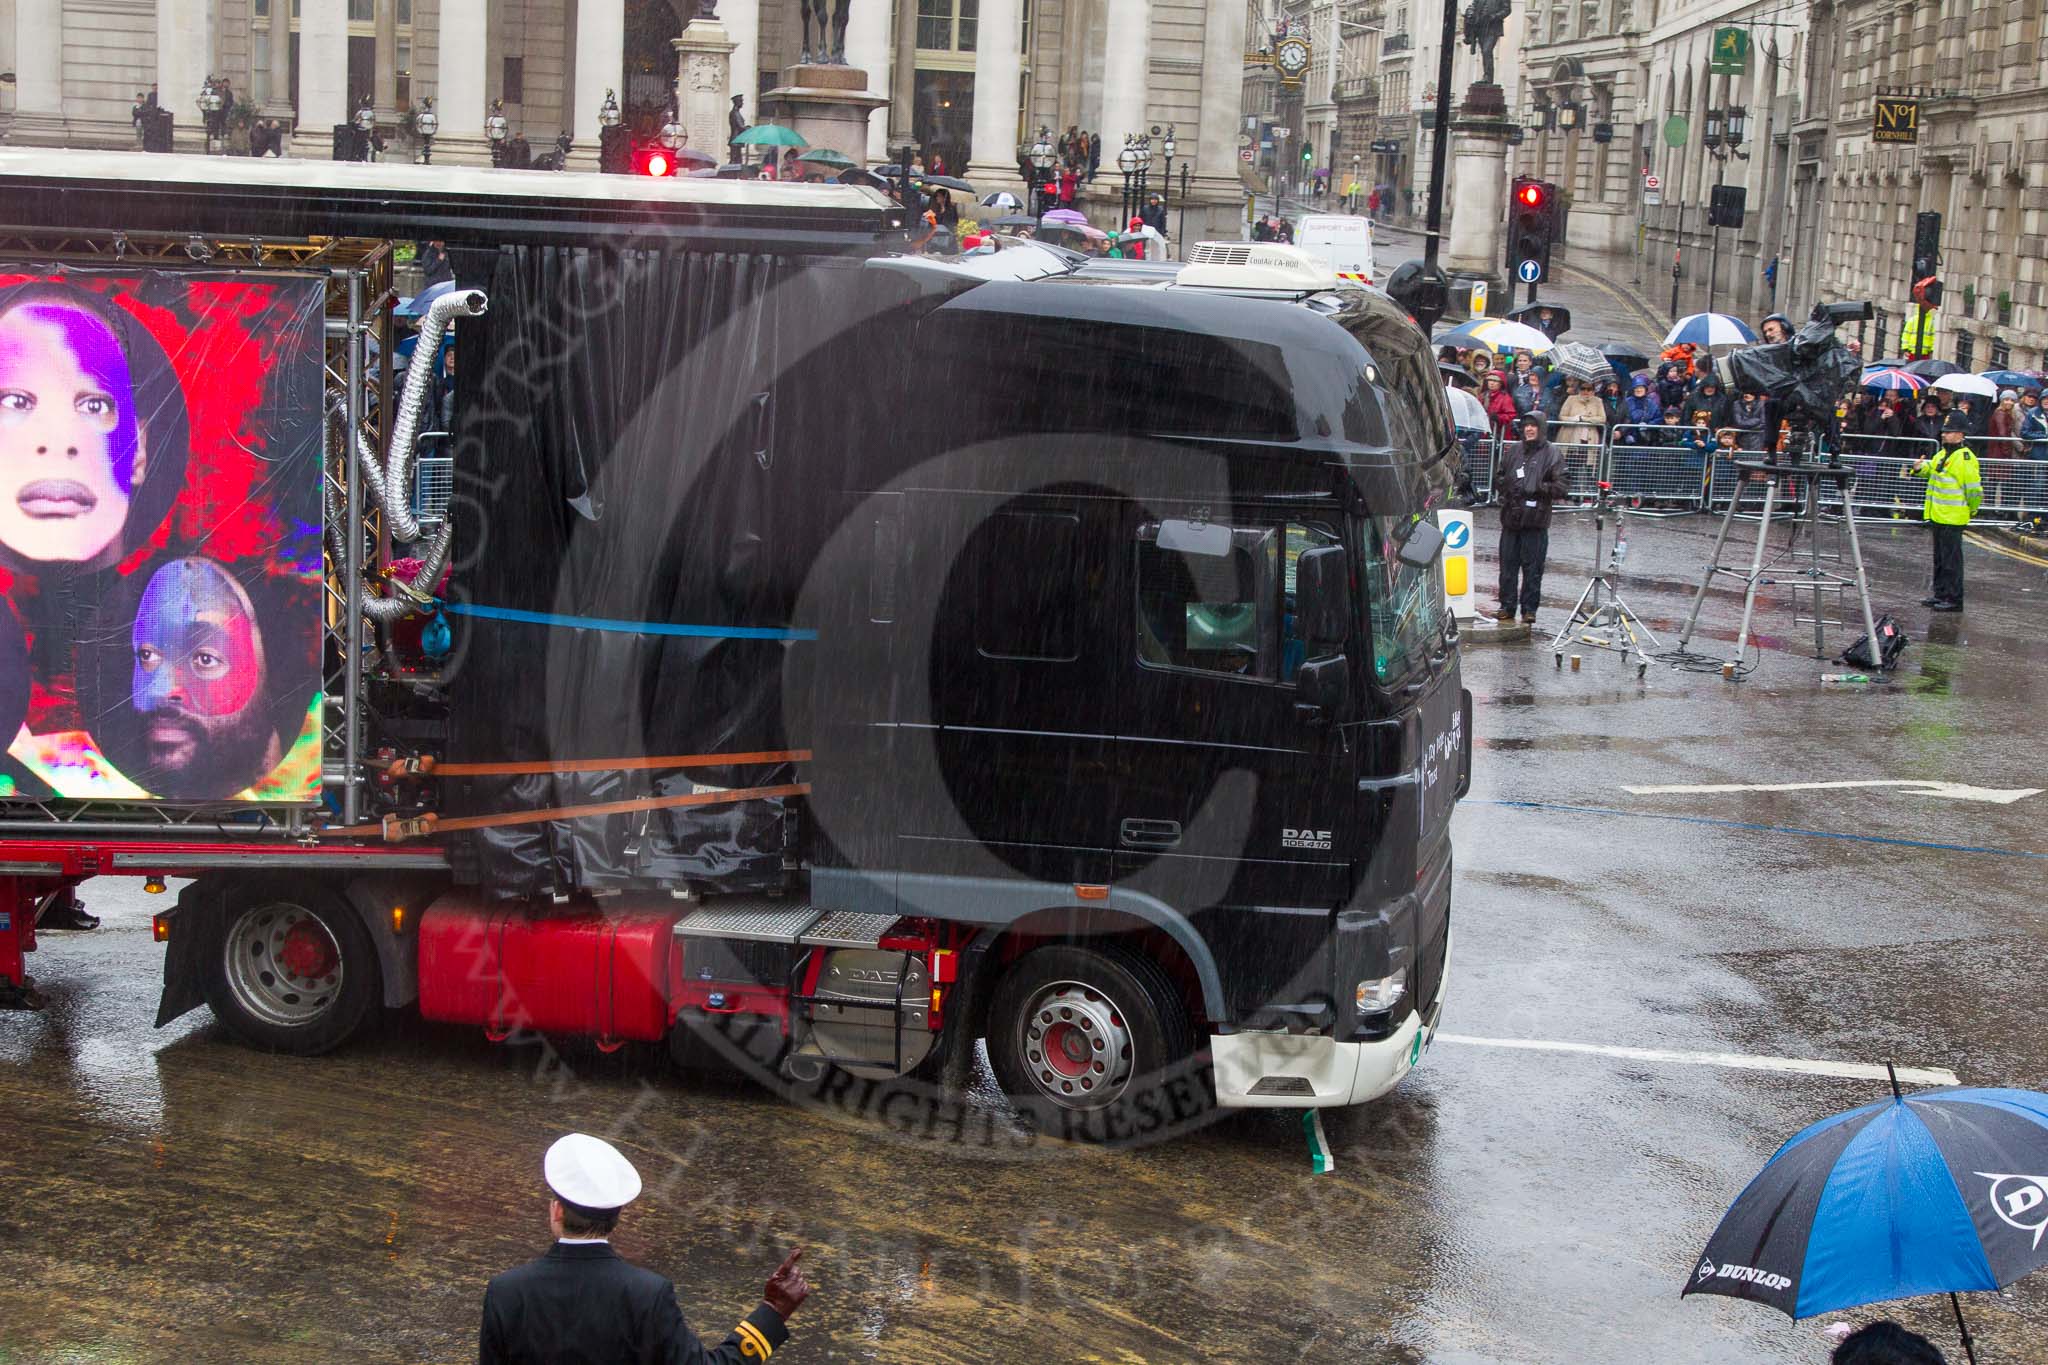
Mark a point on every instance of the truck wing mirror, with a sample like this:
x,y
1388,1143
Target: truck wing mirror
x,y
1425,541
1323,689
1322,595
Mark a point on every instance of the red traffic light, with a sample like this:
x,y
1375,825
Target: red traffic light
x,y
1927,293
657,161
1530,196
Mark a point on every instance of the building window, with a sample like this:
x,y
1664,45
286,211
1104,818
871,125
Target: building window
x,y
513,88
362,11
404,73
262,9
405,13
947,25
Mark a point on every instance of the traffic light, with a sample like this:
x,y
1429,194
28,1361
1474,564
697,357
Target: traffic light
x,y
1532,219
1308,156
1927,292
1725,207
651,158
1926,246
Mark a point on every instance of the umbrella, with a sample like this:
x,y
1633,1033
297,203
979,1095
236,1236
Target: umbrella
x,y
694,156
1628,357
1976,386
1466,410
737,170
1709,329
1067,216
1002,199
416,306
1580,361
857,176
1013,220
1496,334
1914,1195
1930,369
1529,312
2012,379
1892,381
945,182
770,135
1457,373
827,156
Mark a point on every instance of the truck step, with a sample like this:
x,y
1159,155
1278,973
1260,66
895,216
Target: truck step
x,y
848,929
756,919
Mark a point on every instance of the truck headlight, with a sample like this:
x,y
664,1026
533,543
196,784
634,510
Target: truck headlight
x,y
1376,995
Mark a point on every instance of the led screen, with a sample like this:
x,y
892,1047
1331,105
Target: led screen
x,y
160,440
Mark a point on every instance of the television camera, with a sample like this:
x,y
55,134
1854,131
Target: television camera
x,y
1805,376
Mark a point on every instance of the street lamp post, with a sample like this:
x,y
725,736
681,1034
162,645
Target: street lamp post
x,y
1722,131
1144,179
498,131
1127,164
426,123
1433,293
1041,166
1168,147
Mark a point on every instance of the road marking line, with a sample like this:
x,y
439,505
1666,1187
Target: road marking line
x,y
1955,791
1981,543
1718,823
1738,1061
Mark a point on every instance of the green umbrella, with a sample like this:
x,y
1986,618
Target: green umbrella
x,y
770,135
825,156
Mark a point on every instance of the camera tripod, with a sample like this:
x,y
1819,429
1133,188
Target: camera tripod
x,y
1601,618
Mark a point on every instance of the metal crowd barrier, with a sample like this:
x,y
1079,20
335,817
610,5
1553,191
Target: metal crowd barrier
x,y
1677,479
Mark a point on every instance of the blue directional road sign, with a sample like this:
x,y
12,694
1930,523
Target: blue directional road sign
x,y
1528,272
1457,535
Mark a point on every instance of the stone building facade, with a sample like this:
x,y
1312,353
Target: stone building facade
x,y
970,79
1980,71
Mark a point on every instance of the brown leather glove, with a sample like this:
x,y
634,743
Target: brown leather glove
x,y
787,1289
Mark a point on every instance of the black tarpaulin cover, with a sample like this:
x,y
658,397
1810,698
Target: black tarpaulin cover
x,y
629,429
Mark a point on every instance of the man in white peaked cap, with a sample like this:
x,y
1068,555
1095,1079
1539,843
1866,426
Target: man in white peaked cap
x,y
582,1302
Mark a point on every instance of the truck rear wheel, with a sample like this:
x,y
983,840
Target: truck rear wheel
x,y
293,969
1093,1044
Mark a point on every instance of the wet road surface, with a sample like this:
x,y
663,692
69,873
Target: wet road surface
x,y
174,1196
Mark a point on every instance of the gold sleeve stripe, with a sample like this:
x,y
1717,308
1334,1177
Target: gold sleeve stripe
x,y
752,1344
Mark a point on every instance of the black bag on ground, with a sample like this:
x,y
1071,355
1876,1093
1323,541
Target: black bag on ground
x,y
1889,634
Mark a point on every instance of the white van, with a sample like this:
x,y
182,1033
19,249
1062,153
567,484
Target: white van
x,y
1342,240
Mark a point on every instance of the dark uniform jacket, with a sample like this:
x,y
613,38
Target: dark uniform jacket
x,y
584,1303
1530,478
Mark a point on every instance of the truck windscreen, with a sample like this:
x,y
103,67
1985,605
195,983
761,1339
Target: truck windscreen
x,y
1407,604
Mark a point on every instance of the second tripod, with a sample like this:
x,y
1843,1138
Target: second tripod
x,y
1601,618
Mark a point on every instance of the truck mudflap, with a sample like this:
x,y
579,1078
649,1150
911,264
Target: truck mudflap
x,y
199,905
1314,1071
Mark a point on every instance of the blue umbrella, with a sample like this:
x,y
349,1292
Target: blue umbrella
x,y
416,306
1709,329
1932,1193
2013,379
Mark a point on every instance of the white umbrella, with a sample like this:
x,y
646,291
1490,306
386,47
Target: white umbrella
x,y
1709,329
1975,385
1002,199
1466,411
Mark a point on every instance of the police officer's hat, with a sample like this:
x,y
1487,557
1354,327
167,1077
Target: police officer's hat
x,y
590,1173
1956,420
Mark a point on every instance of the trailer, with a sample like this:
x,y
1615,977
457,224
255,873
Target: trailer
x,y
790,645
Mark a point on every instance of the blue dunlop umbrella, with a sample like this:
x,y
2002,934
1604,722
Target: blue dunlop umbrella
x,y
1931,1193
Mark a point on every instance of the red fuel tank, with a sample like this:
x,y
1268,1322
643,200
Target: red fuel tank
x,y
602,972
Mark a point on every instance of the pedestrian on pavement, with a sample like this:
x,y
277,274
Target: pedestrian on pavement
x,y
1499,404
582,1302
1977,415
2002,442
1672,387
1710,396
1746,416
1641,409
1531,477
1094,154
1372,204
1153,215
1927,427
1954,492
1070,178
1582,417
1481,363
1886,1343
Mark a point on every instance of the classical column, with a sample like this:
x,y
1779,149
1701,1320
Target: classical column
x,y
600,66
742,21
323,73
1220,212
185,33
998,70
384,86
903,79
869,48
1126,71
460,85
279,103
39,72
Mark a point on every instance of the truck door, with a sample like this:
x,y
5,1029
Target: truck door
x,y
1230,802
1012,700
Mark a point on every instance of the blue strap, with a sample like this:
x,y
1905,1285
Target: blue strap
x,y
542,618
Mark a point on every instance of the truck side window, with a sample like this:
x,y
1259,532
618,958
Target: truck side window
x,y
1408,606
1027,585
1211,612
1301,536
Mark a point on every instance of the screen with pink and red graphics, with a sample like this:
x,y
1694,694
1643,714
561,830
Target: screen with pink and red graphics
x,y
160,534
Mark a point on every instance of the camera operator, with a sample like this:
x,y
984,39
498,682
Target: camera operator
x,y
1954,493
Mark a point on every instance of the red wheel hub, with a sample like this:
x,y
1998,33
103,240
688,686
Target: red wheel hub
x,y
307,952
1068,1050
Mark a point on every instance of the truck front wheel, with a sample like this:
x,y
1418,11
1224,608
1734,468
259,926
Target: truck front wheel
x,y
1093,1044
293,969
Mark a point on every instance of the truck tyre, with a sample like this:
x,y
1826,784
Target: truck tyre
x,y
1094,1045
291,967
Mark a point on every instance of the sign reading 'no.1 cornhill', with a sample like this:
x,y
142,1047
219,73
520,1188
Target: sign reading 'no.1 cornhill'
x,y
1896,120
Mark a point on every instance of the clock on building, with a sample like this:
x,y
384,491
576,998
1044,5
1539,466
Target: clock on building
x,y
1291,56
